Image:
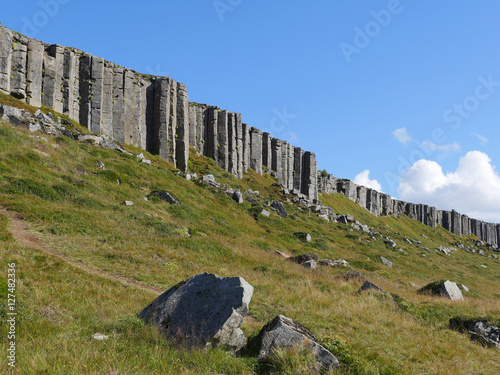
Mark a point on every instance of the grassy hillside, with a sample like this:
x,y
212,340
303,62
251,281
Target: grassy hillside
x,y
90,264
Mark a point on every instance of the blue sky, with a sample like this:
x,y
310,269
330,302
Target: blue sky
x,y
373,85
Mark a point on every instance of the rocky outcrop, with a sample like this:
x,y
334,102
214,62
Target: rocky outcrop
x,y
285,333
381,204
447,289
205,309
149,112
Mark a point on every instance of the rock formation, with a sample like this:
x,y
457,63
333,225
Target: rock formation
x,y
204,309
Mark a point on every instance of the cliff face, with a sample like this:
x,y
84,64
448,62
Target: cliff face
x,y
154,113
383,204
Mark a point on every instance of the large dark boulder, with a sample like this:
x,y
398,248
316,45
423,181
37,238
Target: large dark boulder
x,y
204,310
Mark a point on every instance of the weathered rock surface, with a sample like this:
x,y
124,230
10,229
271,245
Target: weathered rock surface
x,y
280,210
370,286
310,264
283,332
386,261
479,329
447,289
165,196
202,310
301,259
238,197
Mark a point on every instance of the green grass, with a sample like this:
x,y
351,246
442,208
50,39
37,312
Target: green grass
x,y
77,210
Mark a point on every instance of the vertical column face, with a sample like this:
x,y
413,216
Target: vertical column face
x,y
172,124
52,77
85,79
136,117
290,156
5,59
246,147
256,150
432,217
183,129
222,140
96,93
386,209
297,169
239,143
33,73
309,172
456,223
465,225
266,151
161,117
118,108
361,196
211,140
150,111
276,158
498,234
129,128
201,128
193,126
18,72
233,144
284,165
70,80
143,85
107,101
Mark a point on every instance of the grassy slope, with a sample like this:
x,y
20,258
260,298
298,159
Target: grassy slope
x,y
76,207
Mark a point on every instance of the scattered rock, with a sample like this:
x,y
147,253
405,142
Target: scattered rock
x,y
146,161
209,179
479,329
443,288
140,156
283,255
128,203
303,236
202,310
265,213
229,191
390,242
283,332
238,197
165,196
334,263
324,217
280,210
465,288
370,286
387,262
310,264
99,336
301,259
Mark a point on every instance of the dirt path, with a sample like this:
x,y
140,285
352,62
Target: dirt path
x,y
19,230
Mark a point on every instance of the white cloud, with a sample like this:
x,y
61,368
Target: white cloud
x,y
363,178
402,135
482,138
446,148
473,189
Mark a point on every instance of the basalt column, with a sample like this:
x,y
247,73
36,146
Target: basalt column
x,y
276,156
266,151
298,156
182,132
33,73
53,61
256,150
246,147
18,74
309,175
5,59
222,140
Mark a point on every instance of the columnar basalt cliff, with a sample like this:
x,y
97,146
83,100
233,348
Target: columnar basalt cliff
x,y
383,204
154,113
149,112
